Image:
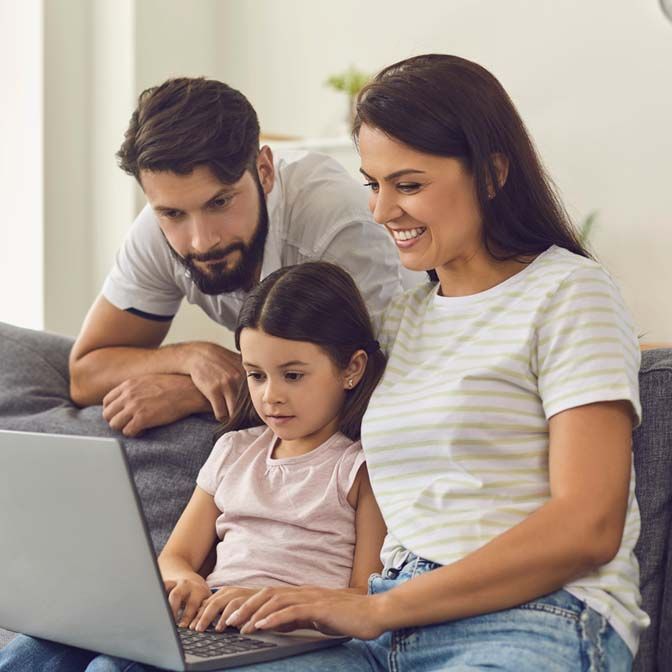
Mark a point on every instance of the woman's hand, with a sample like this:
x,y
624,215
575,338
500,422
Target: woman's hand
x,y
333,612
186,595
219,606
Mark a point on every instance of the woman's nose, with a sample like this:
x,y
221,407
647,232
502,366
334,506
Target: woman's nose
x,y
384,207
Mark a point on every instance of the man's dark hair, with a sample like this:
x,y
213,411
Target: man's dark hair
x,y
319,303
190,122
449,106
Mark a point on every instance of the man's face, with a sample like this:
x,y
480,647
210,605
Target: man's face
x,y
215,230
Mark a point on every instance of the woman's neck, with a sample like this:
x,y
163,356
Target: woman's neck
x,y
478,273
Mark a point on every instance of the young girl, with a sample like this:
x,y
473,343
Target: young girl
x,y
285,493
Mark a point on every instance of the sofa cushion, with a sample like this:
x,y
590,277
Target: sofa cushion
x,y
652,444
34,396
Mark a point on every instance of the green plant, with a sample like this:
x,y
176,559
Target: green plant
x,y
349,81
586,226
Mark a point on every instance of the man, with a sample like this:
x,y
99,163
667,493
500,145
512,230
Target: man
x,y
222,213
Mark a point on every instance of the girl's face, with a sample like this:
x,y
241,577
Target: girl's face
x,y
427,203
295,387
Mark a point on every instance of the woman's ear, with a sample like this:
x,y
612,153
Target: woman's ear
x,y
501,164
354,371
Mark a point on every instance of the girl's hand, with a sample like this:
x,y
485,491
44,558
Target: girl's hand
x,y
333,612
219,606
186,594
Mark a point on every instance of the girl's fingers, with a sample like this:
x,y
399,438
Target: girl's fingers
x,y
193,604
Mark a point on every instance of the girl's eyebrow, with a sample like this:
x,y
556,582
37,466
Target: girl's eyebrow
x,y
395,174
294,362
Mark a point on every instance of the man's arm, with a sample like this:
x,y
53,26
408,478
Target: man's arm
x,y
118,360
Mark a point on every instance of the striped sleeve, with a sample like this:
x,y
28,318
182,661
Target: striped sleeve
x,y
587,350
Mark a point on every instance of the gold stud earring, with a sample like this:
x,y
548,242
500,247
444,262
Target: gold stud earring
x,y
350,383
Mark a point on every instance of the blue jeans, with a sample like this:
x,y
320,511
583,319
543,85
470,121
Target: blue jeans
x,y
555,633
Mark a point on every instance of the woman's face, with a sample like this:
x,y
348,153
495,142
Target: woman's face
x,y
427,203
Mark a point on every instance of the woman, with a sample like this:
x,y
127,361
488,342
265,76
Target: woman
x,y
499,440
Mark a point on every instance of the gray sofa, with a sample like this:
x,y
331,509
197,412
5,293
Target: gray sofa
x,y
165,461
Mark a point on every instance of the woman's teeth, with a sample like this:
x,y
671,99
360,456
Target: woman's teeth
x,y
408,234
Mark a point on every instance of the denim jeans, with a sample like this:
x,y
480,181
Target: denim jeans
x,y
555,633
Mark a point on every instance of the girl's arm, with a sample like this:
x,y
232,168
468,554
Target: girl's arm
x,y
577,530
370,532
184,553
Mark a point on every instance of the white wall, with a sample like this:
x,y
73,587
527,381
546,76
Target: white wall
x,y
21,248
591,80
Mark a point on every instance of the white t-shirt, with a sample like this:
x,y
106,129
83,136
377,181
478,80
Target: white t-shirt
x,y
456,435
316,211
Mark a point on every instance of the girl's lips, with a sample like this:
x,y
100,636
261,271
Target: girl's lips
x,y
279,419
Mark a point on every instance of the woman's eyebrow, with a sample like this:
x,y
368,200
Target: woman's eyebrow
x,y
395,174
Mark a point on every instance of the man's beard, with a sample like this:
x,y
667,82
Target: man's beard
x,y
220,278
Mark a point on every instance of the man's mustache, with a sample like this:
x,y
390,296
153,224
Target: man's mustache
x,y
219,253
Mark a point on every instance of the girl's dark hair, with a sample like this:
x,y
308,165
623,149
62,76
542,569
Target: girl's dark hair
x,y
448,106
188,122
317,302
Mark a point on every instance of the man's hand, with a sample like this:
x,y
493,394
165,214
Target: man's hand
x,y
151,400
186,595
217,373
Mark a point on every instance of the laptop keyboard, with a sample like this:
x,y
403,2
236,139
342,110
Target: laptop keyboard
x,y
210,644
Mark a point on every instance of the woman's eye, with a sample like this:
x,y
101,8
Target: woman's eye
x,y
408,187
293,376
372,185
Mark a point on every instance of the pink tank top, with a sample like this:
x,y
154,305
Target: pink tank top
x,y
284,521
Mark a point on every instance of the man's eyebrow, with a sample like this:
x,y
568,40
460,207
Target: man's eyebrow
x,y
395,174
224,191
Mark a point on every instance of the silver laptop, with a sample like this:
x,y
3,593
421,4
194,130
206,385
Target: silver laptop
x,y
77,565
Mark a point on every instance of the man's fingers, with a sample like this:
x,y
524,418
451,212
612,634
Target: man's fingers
x,y
111,395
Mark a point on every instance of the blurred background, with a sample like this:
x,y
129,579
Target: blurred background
x,y
592,80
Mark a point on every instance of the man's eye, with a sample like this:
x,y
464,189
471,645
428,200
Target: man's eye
x,y
293,376
372,185
220,202
172,214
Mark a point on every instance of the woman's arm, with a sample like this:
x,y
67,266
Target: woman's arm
x,y
579,529
370,532
184,553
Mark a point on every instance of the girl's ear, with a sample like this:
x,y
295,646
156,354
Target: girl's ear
x,y
354,371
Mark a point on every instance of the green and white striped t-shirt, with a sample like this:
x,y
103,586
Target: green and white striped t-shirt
x,y
456,434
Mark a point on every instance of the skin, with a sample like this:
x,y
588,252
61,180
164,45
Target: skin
x,y
589,451
285,377
118,359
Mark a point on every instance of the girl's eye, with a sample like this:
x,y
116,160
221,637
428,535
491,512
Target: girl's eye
x,y
293,376
255,375
372,185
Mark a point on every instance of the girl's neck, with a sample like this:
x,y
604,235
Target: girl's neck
x,y
303,445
